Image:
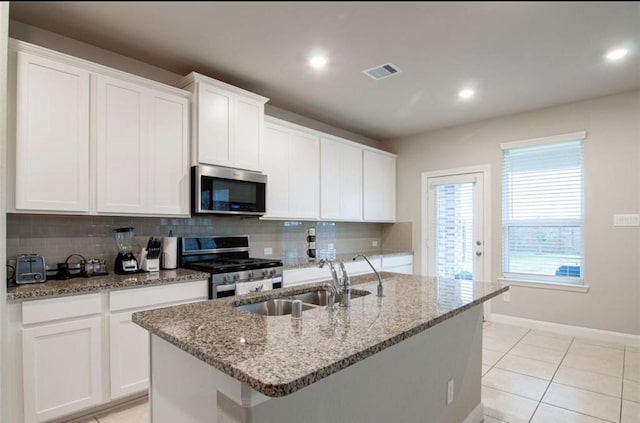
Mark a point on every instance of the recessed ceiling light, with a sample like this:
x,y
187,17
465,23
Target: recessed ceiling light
x,y
317,62
466,94
617,54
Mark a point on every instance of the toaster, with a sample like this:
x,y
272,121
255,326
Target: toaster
x,y
30,268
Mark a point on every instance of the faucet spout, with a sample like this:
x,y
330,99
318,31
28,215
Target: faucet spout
x,y
341,284
380,287
334,287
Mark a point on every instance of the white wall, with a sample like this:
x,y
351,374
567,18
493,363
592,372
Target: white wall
x,y
4,25
612,186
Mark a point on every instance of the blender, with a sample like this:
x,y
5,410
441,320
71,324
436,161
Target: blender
x,y
125,261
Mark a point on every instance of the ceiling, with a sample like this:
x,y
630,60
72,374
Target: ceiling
x,y
517,56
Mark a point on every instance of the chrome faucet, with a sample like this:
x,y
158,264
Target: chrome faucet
x,y
380,288
341,284
345,286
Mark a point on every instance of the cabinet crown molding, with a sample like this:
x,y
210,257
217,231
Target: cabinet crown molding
x,y
22,46
295,126
197,77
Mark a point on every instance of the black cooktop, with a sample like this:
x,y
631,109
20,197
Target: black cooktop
x,y
224,265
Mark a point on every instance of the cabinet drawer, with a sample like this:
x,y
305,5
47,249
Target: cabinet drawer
x,y
361,267
153,295
395,261
61,308
305,275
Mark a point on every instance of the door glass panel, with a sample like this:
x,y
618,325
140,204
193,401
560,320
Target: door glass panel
x,y
453,230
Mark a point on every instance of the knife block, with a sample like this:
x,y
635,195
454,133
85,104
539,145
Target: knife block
x,y
149,265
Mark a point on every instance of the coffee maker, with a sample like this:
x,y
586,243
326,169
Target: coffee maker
x,y
125,261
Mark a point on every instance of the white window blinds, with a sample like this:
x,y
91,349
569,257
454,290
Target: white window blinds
x,y
543,210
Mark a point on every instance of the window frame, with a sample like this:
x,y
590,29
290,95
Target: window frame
x,y
535,280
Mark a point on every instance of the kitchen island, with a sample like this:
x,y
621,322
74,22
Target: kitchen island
x,y
382,359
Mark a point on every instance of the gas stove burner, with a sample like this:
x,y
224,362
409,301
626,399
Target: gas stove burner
x,y
227,260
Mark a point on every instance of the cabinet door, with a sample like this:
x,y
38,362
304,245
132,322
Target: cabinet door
x,y
215,131
52,136
275,164
341,181
62,368
129,354
121,145
168,155
304,176
379,187
247,133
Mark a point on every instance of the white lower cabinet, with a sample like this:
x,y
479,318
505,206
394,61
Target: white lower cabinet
x,y
62,358
82,351
398,264
129,356
62,368
128,342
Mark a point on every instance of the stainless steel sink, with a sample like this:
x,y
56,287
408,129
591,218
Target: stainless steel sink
x,y
321,297
282,306
277,307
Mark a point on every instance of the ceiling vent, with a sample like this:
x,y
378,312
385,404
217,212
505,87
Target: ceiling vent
x,y
382,71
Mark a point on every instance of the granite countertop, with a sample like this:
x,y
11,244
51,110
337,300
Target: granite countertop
x,y
278,355
302,262
53,288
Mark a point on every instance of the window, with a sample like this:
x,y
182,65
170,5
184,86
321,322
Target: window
x,y
543,209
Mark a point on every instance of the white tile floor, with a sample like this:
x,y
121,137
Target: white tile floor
x,y
533,377
541,377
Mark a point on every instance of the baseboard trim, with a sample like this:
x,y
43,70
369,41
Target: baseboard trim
x,y
594,334
476,416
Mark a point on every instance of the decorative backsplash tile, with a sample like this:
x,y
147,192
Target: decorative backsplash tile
x,y
56,237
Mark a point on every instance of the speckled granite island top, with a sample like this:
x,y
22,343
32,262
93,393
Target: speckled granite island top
x,y
278,355
73,286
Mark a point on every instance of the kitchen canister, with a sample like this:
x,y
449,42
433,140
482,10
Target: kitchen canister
x,y
169,252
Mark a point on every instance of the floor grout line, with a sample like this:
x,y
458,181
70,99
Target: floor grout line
x,y
551,380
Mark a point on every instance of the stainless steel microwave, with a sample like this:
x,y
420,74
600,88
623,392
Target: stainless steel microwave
x,y
224,190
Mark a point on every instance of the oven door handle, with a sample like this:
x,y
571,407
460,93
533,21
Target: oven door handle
x,y
226,287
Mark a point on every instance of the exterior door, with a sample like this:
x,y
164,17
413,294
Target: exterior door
x,y
455,244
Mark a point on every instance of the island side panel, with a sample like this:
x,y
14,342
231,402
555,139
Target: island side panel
x,y
182,388
404,383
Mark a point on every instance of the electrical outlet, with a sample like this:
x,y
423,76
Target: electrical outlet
x,y
506,297
268,251
450,392
374,243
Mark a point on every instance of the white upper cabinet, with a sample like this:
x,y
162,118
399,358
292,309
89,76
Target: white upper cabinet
x,y
227,123
91,139
169,156
379,177
122,141
291,161
52,136
341,180
316,176
142,144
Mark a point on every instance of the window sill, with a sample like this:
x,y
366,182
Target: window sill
x,y
546,285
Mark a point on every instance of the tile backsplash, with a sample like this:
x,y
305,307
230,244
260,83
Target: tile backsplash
x,y
56,237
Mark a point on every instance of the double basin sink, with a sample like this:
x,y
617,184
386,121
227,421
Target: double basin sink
x,y
283,306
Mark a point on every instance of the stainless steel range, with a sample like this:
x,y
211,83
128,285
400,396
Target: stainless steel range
x,y
226,259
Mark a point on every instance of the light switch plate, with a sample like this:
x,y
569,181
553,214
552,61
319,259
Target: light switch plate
x,y
450,392
626,220
374,243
